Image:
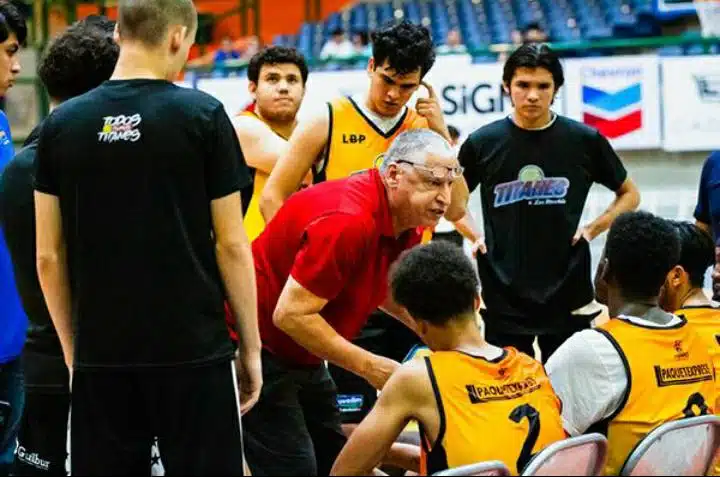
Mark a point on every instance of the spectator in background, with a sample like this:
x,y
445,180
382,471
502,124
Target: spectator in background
x,y
226,51
13,322
534,33
252,47
361,44
337,47
80,59
453,43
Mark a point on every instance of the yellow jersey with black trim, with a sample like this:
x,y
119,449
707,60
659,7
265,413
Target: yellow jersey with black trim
x,y
670,376
355,143
504,409
254,221
706,320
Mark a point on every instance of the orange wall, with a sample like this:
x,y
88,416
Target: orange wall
x,y
276,16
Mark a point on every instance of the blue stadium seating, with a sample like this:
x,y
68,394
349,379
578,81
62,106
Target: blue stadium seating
x,y
484,22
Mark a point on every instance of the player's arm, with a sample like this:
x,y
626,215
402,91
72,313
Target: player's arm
x,y
305,146
407,392
627,198
225,175
458,200
52,269
261,146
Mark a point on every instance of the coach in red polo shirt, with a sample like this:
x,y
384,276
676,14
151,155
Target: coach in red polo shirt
x,y
321,267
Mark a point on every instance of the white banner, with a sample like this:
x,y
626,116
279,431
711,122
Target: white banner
x,y
691,106
617,95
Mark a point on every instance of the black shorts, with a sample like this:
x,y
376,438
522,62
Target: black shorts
x,y
42,440
382,335
295,427
193,411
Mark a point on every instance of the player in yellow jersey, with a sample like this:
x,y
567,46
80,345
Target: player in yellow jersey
x,y
351,132
683,293
645,366
473,401
277,77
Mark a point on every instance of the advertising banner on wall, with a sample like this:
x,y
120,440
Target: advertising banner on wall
x,y
691,103
617,95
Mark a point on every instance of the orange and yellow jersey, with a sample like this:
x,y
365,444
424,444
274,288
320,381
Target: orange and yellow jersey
x,y
706,320
503,409
670,376
355,142
254,221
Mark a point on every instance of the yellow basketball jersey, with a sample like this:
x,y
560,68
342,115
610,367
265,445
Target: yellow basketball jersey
x,y
706,320
670,377
355,142
503,410
254,221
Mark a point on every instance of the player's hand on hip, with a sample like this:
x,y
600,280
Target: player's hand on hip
x,y
379,371
479,246
430,109
249,371
582,232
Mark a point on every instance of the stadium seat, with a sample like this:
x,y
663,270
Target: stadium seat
x,y
684,447
482,468
582,455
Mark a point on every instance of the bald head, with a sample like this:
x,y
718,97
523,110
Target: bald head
x,y
417,145
148,21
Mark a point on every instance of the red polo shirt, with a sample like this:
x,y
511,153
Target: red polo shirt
x,y
336,239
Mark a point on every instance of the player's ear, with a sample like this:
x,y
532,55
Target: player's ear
x,y
178,33
371,66
677,276
477,302
252,89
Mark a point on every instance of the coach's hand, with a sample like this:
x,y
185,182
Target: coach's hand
x,y
430,109
379,370
249,369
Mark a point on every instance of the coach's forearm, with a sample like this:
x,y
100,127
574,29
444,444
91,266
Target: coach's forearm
x,y
53,276
316,335
238,273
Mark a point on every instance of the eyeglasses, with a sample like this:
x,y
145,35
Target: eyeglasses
x,y
437,172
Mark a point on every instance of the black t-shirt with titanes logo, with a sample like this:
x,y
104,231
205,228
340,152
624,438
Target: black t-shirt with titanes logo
x,y
135,164
534,184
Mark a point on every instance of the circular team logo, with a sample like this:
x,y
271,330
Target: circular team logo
x,y
531,173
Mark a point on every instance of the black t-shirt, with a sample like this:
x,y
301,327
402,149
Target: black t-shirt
x,y
135,164
534,184
43,361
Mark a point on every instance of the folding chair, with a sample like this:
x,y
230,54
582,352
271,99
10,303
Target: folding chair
x,y
582,455
684,447
493,467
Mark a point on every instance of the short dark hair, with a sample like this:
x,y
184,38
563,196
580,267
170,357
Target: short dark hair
x,y
12,21
405,46
276,55
697,251
454,132
80,59
532,26
641,249
435,282
534,55
147,21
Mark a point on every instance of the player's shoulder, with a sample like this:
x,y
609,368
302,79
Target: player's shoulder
x,y
413,377
497,129
577,128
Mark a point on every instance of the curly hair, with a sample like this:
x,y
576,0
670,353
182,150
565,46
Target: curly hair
x,y
534,55
80,59
405,46
641,249
697,251
276,55
435,282
12,21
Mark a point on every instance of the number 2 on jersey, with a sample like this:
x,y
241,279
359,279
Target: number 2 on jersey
x,y
533,416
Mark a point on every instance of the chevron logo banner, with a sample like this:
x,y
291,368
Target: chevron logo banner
x,y
613,114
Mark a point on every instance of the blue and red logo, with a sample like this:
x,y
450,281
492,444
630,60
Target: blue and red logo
x,y
614,114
